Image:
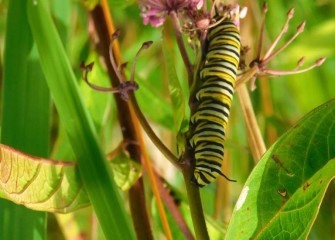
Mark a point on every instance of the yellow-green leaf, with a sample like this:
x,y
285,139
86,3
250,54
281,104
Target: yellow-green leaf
x,y
39,183
125,170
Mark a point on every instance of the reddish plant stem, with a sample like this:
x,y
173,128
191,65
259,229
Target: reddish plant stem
x,y
136,193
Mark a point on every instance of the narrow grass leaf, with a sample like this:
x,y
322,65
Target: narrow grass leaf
x,y
25,116
92,164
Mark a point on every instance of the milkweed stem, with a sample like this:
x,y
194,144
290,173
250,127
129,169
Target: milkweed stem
x,y
197,213
182,48
144,123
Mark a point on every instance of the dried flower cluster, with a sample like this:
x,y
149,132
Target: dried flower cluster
x,y
156,11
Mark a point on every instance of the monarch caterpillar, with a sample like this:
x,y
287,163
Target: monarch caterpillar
x,y
213,98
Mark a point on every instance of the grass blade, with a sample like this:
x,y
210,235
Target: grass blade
x,y
78,125
25,105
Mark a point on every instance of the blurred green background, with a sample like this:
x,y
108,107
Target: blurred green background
x,y
278,102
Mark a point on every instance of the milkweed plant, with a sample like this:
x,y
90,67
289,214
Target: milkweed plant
x,y
218,88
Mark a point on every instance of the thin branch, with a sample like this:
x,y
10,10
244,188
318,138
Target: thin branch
x,y
275,72
300,29
153,178
261,31
145,45
112,57
181,46
158,143
281,33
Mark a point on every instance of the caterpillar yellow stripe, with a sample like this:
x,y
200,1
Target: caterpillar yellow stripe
x,y
213,99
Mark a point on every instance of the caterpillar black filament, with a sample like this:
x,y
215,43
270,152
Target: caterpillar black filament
x,y
213,98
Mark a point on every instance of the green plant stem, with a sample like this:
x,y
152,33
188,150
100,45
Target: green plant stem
x,y
196,209
174,210
136,193
182,48
192,190
153,137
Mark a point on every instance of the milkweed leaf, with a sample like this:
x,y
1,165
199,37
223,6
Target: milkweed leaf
x,y
125,170
53,186
281,198
41,184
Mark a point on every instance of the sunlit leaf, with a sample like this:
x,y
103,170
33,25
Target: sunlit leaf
x,y
39,183
125,170
282,196
53,186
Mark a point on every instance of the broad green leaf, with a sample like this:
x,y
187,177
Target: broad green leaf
x,y
126,171
323,227
281,198
41,184
53,186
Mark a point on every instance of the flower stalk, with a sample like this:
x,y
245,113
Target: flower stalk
x,y
182,48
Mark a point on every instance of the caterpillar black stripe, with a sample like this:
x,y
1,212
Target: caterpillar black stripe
x,y
213,98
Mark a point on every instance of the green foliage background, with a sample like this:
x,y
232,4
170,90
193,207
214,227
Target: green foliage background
x,y
289,97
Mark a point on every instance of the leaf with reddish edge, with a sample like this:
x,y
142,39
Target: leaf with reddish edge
x,y
39,183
